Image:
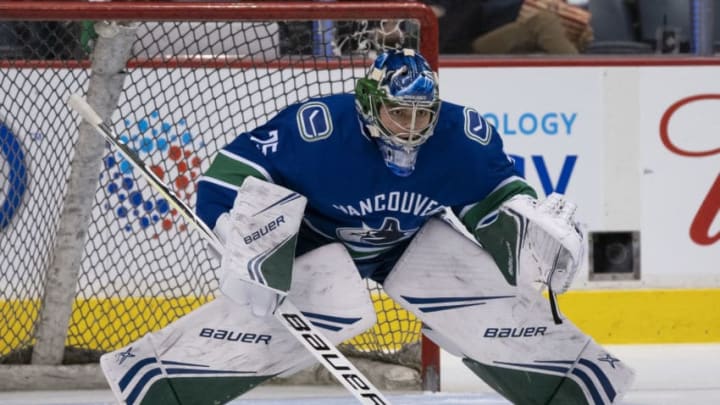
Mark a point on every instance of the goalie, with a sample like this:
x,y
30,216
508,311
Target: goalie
x,y
377,168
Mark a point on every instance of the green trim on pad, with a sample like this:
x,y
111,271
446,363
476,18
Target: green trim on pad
x,y
199,390
493,201
526,387
500,239
277,268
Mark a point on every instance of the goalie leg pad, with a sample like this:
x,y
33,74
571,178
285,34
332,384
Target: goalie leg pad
x,y
219,345
328,290
221,350
504,333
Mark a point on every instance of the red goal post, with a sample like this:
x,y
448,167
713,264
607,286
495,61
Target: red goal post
x,y
95,266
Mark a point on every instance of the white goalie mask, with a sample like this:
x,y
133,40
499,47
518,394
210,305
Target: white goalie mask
x,y
399,104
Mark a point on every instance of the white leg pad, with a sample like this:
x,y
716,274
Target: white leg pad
x,y
223,339
505,333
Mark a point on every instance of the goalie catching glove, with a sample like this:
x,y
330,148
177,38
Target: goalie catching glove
x,y
534,241
259,236
551,246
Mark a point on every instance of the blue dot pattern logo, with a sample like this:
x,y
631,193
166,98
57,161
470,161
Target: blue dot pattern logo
x,y
167,149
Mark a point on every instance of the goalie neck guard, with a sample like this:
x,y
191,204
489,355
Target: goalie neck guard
x,y
398,102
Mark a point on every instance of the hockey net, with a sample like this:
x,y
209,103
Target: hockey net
x,y
93,258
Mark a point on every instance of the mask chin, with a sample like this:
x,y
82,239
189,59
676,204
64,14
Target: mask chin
x,y
399,159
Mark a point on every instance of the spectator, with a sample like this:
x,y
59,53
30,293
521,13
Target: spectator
x,y
507,27
40,40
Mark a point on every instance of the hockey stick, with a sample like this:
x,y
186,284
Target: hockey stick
x,y
295,322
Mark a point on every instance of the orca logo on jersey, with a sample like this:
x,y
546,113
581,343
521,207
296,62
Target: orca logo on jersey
x,y
314,122
269,227
388,233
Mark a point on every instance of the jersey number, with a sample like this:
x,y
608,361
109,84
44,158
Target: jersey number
x,y
268,145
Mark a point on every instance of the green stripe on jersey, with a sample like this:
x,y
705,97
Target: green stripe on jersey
x,y
493,201
231,171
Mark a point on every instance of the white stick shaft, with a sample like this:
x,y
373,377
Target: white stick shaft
x,y
295,322
328,355
77,103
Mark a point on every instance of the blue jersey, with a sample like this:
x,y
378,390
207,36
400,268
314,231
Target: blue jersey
x,y
320,149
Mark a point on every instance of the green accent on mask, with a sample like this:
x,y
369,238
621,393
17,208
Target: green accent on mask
x,y
527,387
369,96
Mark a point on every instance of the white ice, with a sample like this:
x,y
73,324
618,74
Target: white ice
x,y
675,374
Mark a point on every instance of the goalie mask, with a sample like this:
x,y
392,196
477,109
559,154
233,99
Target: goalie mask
x,y
399,104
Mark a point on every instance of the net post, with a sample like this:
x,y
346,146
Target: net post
x,y
430,365
106,83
